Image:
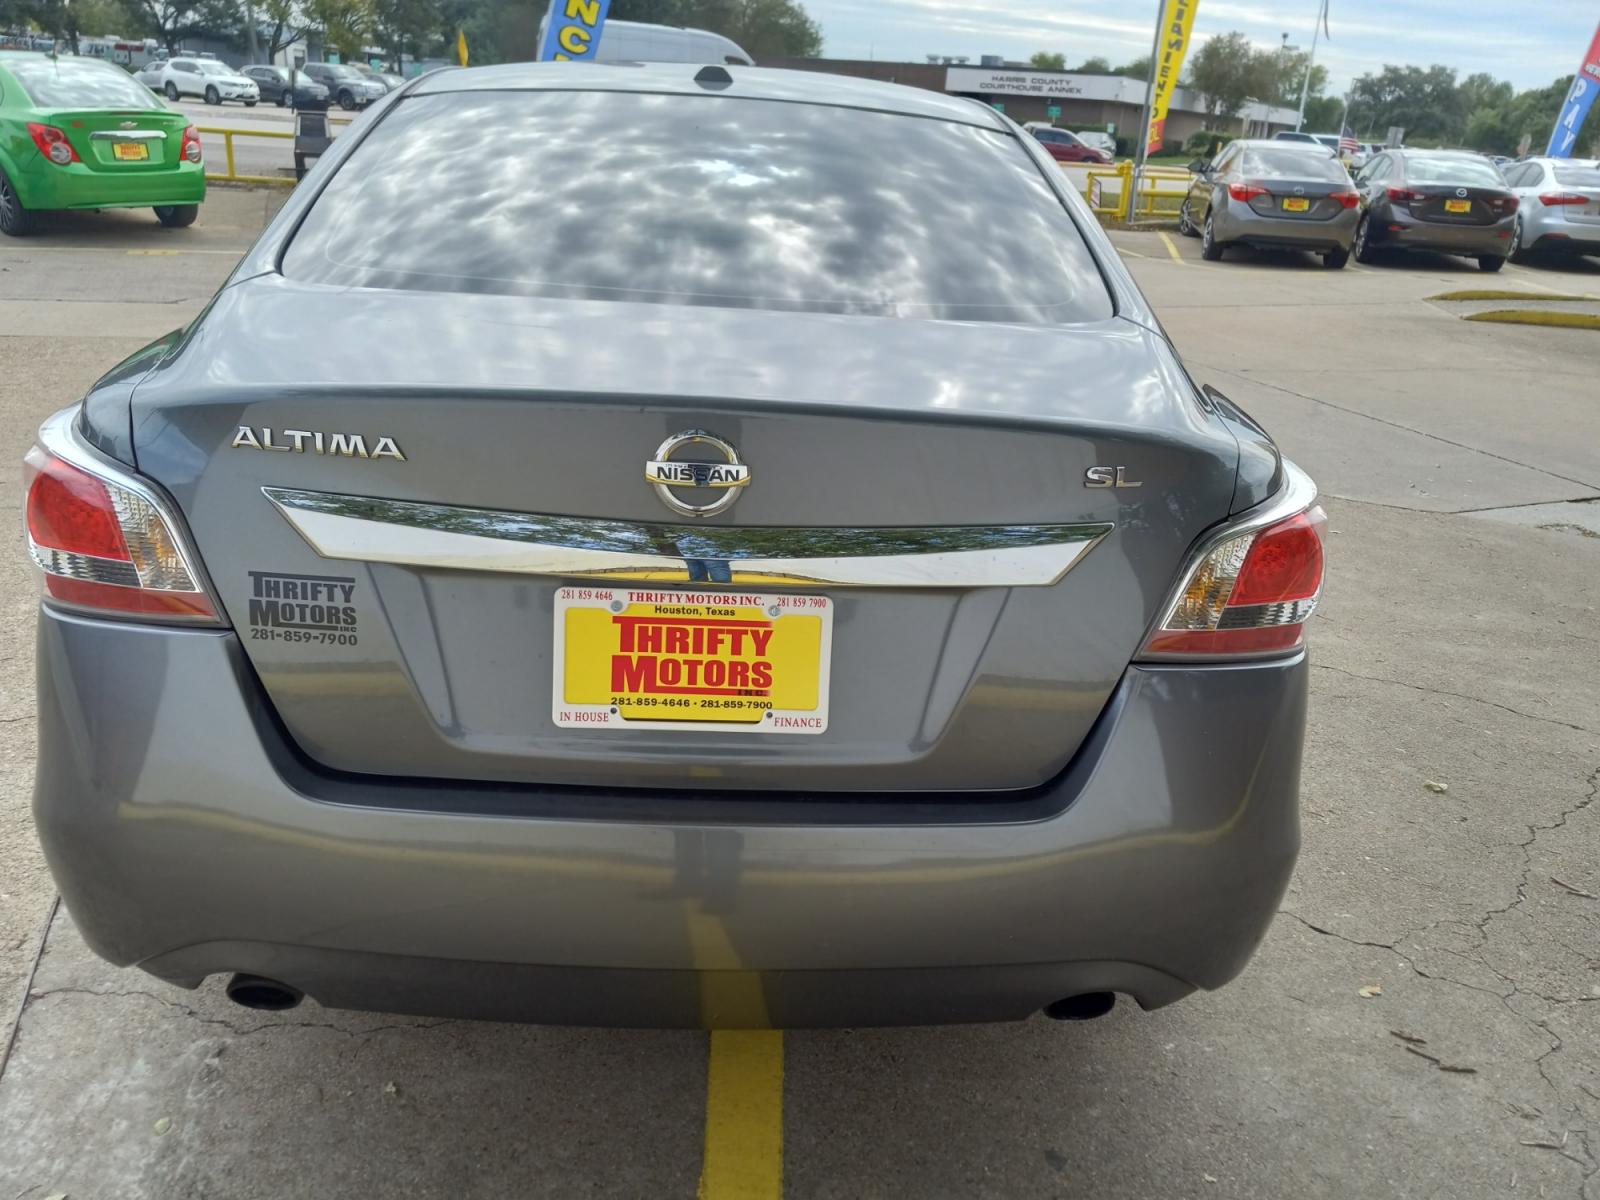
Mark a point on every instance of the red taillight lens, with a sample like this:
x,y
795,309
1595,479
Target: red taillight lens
x,y
1557,199
105,548
1403,195
1251,594
1347,199
53,144
1246,192
191,144
1503,204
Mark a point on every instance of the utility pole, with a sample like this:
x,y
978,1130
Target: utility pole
x,y
1305,88
250,30
1143,149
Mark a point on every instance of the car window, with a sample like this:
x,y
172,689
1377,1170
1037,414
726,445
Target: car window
x,y
78,83
1224,161
1288,160
1574,176
1470,171
215,68
699,200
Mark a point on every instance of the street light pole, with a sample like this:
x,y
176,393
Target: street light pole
x,y
250,30
1141,152
1305,88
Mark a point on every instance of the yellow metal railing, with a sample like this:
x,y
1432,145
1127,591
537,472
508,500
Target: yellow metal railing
x,y
232,176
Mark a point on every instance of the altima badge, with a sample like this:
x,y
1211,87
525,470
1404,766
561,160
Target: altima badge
x,y
725,477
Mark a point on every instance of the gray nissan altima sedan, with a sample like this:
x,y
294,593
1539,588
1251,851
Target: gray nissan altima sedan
x,y
673,546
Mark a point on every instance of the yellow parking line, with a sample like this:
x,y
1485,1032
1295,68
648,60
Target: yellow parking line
x,y
1171,246
744,1116
743,1158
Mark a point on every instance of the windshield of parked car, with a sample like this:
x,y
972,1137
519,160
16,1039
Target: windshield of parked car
x,y
78,83
1584,177
701,200
1307,163
1472,172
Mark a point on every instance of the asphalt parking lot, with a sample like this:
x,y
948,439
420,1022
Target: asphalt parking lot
x,y
1423,1020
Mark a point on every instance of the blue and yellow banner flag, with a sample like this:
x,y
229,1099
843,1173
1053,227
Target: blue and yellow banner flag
x,y
573,32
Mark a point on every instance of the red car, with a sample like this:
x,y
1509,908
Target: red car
x,y
1064,146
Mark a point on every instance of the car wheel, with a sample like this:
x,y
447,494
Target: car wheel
x,y
171,90
1210,248
15,221
1490,263
1518,253
1363,246
177,216
212,95
283,100
347,100
1185,222
249,103
1335,259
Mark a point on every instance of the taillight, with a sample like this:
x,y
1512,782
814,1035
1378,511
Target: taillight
x,y
1557,199
1251,594
53,144
1347,199
1403,195
103,547
1246,192
1503,204
191,144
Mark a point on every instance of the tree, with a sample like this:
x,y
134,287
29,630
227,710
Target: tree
x,y
1139,68
765,28
1226,72
346,24
1048,60
1428,103
285,24
1095,66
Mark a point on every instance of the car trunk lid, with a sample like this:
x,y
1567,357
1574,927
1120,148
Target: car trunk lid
x,y
875,447
123,141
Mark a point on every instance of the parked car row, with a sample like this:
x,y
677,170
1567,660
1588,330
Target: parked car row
x,y
351,85
1291,194
1069,147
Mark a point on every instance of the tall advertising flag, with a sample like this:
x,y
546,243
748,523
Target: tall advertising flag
x,y
1580,98
573,31
1172,43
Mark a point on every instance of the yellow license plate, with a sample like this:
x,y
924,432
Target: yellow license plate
x,y
1458,206
130,151
1296,204
739,661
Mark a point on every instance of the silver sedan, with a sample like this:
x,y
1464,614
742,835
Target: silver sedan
x,y
1273,195
1559,205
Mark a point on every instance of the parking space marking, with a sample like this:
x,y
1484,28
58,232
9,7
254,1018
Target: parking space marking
x,y
1171,246
743,1154
744,1116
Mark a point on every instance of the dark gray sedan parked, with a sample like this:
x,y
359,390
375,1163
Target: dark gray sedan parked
x,y
1273,195
1445,201
718,574
275,87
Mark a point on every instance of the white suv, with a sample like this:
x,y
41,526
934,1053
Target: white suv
x,y
209,78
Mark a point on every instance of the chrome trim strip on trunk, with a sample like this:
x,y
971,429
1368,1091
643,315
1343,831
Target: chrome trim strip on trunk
x,y
127,135
409,533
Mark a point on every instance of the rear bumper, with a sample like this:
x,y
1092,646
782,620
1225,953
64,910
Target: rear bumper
x,y
1243,224
1400,231
188,838
43,185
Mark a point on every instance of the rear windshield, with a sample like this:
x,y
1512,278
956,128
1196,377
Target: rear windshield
x,y
1584,177
702,200
1299,164
1453,170
78,83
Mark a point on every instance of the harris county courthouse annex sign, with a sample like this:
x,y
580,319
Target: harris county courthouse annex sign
x,y
1012,81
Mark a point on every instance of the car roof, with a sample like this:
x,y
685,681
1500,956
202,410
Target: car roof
x,y
759,83
1278,144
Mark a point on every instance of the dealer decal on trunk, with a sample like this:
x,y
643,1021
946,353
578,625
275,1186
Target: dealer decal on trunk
x,y
318,609
707,661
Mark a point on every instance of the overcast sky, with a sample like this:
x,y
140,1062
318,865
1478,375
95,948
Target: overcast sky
x,y
1529,43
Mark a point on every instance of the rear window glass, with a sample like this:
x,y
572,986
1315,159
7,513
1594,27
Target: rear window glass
x,y
1301,164
1453,170
1584,177
77,83
699,200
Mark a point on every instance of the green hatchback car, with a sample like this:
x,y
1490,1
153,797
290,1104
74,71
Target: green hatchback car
x,y
80,133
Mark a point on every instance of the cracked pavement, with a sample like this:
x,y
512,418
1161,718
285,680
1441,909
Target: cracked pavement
x,y
1423,1020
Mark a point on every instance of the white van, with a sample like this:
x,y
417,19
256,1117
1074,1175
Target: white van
x,y
632,41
